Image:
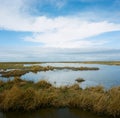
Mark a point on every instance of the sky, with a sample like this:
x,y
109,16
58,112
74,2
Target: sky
x,y
59,30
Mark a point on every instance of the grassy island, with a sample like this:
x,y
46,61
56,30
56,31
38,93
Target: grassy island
x,y
18,69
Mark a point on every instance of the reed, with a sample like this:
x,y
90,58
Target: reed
x,y
32,96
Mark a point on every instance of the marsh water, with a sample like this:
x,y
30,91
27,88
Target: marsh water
x,y
107,75
52,113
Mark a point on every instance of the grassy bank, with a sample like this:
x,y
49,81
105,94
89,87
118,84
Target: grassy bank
x,y
26,95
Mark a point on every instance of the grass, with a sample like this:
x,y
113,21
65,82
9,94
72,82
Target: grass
x,y
103,62
18,65
10,66
43,84
25,95
20,69
13,73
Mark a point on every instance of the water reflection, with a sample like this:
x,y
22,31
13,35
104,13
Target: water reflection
x,y
52,113
107,76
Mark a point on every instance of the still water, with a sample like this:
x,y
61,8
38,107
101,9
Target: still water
x,y
52,113
108,76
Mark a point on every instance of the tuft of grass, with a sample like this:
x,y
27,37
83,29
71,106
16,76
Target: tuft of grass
x,y
29,99
43,84
37,68
96,89
113,107
11,99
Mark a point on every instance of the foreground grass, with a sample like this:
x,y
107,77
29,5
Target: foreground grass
x,y
26,95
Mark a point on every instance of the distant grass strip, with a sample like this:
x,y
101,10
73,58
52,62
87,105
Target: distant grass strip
x,y
117,63
23,70
26,96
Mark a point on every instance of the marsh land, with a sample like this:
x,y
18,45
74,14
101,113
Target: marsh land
x,y
85,86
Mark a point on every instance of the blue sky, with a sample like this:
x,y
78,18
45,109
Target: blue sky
x,y
59,30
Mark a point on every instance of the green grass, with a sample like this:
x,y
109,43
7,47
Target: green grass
x,y
26,96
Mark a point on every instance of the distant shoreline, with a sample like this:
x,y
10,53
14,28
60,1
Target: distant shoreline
x,y
84,62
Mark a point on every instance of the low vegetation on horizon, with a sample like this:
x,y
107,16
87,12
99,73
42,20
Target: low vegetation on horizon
x,y
25,95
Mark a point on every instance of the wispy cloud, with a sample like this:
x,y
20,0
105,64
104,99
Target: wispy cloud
x,y
70,32
55,54
61,31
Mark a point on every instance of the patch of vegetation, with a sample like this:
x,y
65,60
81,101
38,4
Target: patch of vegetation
x,y
25,95
13,73
79,80
43,84
10,66
20,69
103,62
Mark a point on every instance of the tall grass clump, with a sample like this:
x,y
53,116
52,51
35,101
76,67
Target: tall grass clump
x,y
32,96
10,99
113,107
43,84
29,99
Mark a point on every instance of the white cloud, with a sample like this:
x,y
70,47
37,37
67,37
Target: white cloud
x,y
69,32
60,32
13,15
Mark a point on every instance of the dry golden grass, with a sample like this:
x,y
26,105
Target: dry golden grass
x,y
11,99
99,89
31,96
13,73
113,107
43,84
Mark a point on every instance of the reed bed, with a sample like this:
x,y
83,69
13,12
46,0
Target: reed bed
x,y
19,94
